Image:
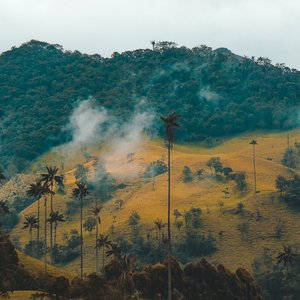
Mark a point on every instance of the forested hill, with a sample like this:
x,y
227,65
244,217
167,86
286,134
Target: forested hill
x,y
215,91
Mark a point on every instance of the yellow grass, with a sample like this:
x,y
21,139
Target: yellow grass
x,y
22,295
205,194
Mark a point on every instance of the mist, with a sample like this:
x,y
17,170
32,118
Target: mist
x,y
90,124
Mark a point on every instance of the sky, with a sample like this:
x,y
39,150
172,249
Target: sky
x,y
268,28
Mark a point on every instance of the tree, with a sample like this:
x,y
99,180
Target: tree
x,y
134,220
36,190
31,222
127,266
187,174
243,228
176,214
2,177
104,243
170,122
215,164
159,226
81,173
44,191
4,210
89,224
254,143
240,180
96,210
287,258
54,218
51,179
153,45
80,192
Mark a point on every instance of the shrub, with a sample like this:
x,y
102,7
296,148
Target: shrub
x,y
155,168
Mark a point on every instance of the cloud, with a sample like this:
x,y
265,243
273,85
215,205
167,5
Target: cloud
x,y
267,28
209,95
85,123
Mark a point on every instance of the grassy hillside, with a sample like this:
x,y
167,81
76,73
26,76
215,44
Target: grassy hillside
x,y
204,193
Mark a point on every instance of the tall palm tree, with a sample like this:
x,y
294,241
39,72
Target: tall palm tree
x,y
80,192
170,123
127,265
31,222
153,44
97,220
104,243
51,179
114,250
4,210
45,191
286,258
254,143
159,225
54,218
36,190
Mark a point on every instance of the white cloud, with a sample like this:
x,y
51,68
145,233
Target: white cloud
x,y
258,27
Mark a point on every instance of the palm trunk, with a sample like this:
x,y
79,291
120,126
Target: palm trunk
x,y
97,250
103,259
51,225
81,241
38,229
45,230
30,233
55,227
169,222
254,169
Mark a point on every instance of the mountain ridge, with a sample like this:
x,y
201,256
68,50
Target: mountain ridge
x,y
216,92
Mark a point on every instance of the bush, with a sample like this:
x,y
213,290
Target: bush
x,y
187,174
155,168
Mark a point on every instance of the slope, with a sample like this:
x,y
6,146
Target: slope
x,y
206,193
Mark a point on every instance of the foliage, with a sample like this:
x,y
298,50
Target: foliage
x,y
212,90
81,173
240,180
89,224
289,189
155,168
187,174
70,250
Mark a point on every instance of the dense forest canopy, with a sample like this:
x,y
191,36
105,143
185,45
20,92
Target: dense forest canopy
x,y
216,92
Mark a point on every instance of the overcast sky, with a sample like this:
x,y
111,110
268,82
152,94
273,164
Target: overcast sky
x,y
254,27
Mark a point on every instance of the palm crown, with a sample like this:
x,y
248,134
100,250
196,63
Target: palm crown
x,y
170,122
81,190
51,177
30,222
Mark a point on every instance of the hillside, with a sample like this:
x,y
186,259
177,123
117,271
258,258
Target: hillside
x,y
216,92
204,193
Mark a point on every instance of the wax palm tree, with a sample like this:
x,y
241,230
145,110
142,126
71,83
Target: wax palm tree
x,y
97,220
254,143
80,192
159,226
153,45
127,265
55,218
31,222
287,258
170,123
36,190
4,210
114,250
45,191
104,243
51,179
